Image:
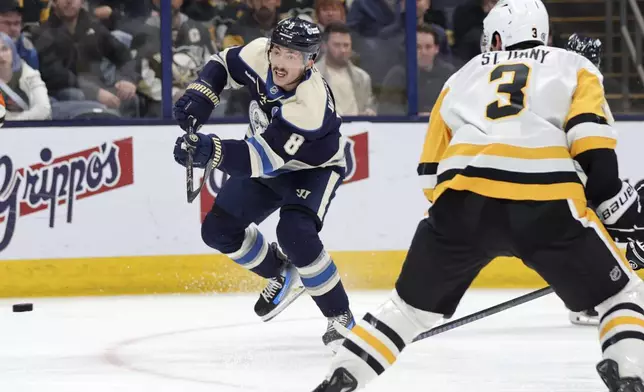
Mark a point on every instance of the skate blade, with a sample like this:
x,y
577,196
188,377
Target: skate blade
x,y
583,320
292,296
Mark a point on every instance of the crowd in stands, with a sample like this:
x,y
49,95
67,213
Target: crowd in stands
x,y
67,59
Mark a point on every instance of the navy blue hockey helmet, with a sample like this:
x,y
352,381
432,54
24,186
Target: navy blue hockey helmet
x,y
590,48
298,34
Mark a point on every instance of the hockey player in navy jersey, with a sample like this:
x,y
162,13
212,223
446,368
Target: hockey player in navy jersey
x,y
292,159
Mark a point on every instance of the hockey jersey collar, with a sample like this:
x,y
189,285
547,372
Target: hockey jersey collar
x,y
273,91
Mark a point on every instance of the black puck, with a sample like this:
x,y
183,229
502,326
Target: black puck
x,y
23,307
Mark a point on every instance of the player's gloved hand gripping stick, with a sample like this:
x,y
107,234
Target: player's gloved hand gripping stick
x,y
191,141
194,149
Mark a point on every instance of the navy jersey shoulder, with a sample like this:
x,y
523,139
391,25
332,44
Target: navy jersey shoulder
x,y
289,130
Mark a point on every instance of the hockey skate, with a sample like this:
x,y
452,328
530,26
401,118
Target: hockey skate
x,y
585,317
280,291
608,371
337,329
340,381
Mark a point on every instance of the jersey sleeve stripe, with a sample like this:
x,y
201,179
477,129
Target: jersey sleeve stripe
x,y
590,129
269,158
585,118
588,97
591,143
256,168
427,168
436,141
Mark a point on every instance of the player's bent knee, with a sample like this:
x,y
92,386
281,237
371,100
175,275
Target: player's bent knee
x,y
297,233
222,231
621,329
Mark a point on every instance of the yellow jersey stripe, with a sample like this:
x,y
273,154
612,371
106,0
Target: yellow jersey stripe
x,y
591,143
512,191
438,134
375,343
617,321
588,97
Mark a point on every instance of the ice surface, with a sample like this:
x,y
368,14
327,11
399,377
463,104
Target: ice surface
x,y
215,343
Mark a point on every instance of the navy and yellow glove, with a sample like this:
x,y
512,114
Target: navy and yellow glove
x,y
195,105
203,148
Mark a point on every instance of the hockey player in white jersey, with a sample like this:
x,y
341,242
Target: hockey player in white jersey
x,y
499,168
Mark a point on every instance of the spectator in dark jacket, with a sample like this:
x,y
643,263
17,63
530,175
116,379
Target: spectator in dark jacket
x,y
11,24
468,27
259,22
122,15
72,47
368,17
433,72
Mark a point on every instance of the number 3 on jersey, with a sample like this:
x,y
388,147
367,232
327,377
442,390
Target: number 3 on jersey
x,y
514,89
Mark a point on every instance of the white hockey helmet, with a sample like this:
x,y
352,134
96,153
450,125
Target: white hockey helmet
x,y
516,21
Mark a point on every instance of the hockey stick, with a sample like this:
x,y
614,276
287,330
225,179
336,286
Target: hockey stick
x,y
485,313
191,145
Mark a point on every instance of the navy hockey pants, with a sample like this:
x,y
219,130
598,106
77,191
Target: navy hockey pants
x,y
303,198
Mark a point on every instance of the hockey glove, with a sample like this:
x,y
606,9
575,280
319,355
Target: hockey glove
x,y
622,215
635,254
198,102
203,148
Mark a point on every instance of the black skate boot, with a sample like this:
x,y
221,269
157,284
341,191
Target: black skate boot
x,y
337,329
608,371
585,317
280,291
341,381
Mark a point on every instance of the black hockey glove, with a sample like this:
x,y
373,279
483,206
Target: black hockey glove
x,y
635,254
622,215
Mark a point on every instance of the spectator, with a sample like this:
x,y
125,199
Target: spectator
x,y
259,22
228,13
433,17
200,10
468,27
397,26
11,24
304,9
432,75
192,46
328,11
368,17
22,88
34,12
351,85
124,15
72,47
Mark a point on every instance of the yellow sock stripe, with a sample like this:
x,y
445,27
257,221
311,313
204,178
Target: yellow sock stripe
x,y
375,343
624,320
